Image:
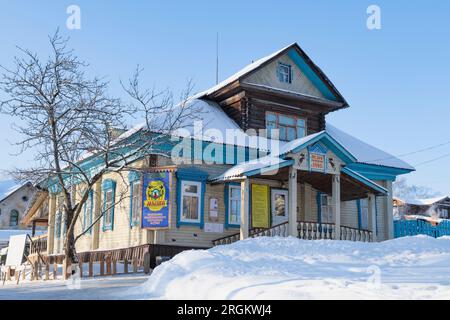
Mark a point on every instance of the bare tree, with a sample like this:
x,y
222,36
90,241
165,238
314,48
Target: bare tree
x,y
66,117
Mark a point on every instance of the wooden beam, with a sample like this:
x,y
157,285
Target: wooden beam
x,y
245,186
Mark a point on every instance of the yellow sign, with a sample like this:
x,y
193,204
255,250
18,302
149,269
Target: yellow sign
x,y
260,206
156,194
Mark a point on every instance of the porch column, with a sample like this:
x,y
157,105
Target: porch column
x,y
245,186
389,212
293,231
372,217
51,223
97,188
336,195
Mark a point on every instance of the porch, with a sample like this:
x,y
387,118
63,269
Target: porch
x,y
316,161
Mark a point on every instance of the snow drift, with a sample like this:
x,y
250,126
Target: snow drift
x,y
289,268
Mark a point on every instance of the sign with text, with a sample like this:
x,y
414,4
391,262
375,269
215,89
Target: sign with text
x,y
155,200
260,206
317,162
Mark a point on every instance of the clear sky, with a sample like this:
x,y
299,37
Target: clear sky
x,y
395,79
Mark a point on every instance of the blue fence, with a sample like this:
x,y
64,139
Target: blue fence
x,y
403,228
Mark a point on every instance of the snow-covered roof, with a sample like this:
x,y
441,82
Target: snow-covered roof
x,y
244,168
214,124
13,190
246,70
364,152
424,202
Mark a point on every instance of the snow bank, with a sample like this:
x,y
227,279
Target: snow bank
x,y
289,268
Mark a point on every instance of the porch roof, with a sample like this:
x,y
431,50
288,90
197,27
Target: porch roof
x,y
274,167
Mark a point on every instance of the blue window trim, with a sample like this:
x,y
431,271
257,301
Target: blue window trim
x,y
108,185
319,206
133,176
91,200
358,206
196,175
227,208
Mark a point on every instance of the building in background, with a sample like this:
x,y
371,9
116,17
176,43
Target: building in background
x,y
431,209
13,206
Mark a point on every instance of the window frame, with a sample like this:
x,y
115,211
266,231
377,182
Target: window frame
x,y
284,77
328,206
295,127
108,186
90,201
16,214
135,220
363,205
197,194
228,199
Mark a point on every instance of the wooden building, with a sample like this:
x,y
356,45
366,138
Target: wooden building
x,y
313,181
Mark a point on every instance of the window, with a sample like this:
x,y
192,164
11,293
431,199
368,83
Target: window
x,y
326,209
136,202
13,218
234,205
109,190
190,195
108,208
290,127
279,203
284,72
58,225
88,208
364,214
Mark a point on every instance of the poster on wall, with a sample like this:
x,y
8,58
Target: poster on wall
x,y
155,200
260,206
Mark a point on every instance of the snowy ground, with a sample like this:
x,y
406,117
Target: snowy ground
x,y
289,268
98,288
274,268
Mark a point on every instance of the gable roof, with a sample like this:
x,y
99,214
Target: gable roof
x,y
366,153
298,55
15,189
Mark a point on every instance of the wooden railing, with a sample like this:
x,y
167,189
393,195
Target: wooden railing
x,y
307,230
353,234
38,244
279,230
315,231
327,231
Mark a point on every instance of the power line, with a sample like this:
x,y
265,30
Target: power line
x,y
416,151
432,160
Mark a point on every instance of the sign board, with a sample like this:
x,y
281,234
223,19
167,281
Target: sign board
x,y
260,206
16,248
213,209
155,200
213,227
317,162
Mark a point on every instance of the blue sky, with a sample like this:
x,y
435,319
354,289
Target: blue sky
x,y
395,79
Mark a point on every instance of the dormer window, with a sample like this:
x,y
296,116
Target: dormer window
x,y
290,127
284,72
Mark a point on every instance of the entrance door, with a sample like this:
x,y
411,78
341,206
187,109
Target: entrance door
x,y
279,206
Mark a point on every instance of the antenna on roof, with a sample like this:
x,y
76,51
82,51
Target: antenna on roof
x,y
217,57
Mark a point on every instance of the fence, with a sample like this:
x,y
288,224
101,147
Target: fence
x,y
403,228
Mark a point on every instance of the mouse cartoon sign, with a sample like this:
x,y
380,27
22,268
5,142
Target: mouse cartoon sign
x,y
155,200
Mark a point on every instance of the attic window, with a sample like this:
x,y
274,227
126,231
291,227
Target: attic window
x,y
284,72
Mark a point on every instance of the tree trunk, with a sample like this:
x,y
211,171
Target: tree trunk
x,y
69,245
